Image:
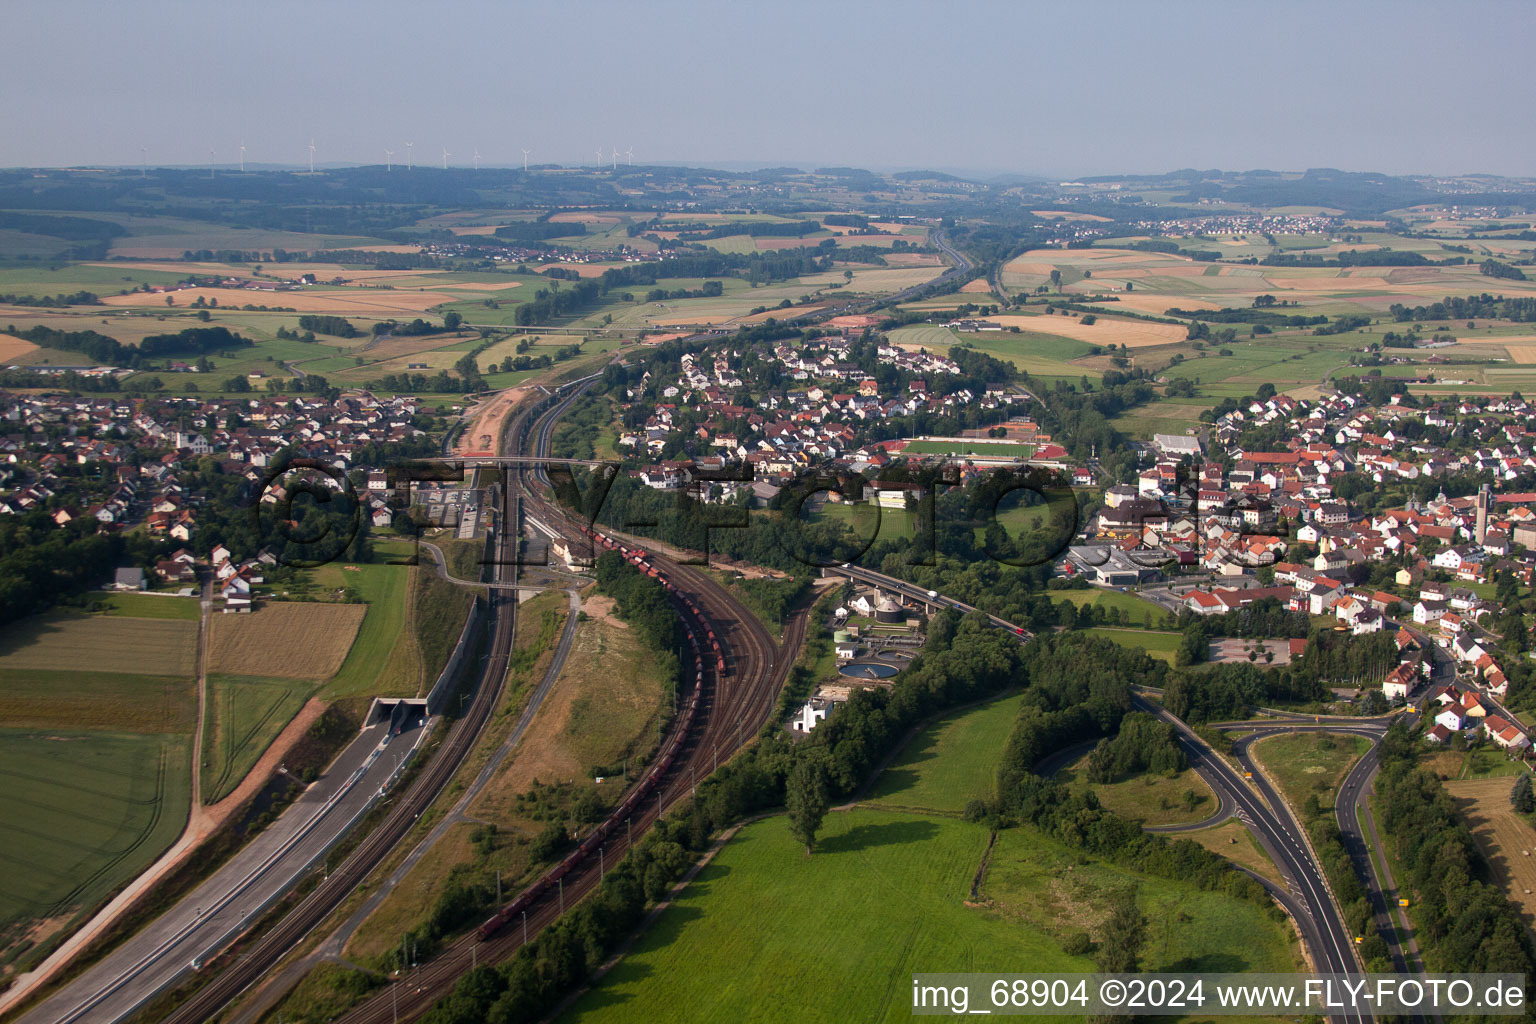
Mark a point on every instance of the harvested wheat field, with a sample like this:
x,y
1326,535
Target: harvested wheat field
x,y
1156,304
100,643
1107,331
287,639
360,301
12,347
913,259
980,285
1070,215
1505,838
1524,354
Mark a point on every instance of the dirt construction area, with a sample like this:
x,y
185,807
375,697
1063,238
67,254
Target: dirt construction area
x,y
1505,838
290,640
487,421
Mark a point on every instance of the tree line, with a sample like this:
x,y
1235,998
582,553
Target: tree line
x,y
1481,307
103,350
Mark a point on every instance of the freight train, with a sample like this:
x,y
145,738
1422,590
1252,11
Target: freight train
x,y
699,632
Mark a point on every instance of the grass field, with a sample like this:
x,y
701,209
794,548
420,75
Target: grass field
x,y
1136,608
294,640
951,762
538,623
99,643
884,897
146,606
1307,763
1157,644
371,667
108,701
83,813
1148,798
1233,841
898,524
245,714
619,691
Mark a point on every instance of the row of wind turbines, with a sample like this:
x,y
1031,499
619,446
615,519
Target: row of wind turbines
x,y
389,158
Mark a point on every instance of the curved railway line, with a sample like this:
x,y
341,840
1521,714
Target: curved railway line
x,y
716,718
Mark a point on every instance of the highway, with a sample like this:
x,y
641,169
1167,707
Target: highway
x,y
214,914
264,952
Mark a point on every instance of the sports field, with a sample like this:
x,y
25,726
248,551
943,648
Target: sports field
x,y
1138,611
993,449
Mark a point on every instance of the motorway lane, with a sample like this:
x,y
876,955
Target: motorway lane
x,y
208,919
1321,923
274,989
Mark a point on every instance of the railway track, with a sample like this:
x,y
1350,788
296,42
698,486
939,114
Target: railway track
x,y
251,964
731,706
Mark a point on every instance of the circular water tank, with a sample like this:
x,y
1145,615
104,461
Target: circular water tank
x,y
887,610
840,636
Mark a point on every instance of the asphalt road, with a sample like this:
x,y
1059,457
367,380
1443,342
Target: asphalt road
x,y
1269,818
216,912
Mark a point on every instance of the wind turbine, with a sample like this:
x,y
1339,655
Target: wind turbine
x,y
599,152
242,156
446,155
210,163
408,146
311,155
629,154
615,158
477,158
525,160
389,155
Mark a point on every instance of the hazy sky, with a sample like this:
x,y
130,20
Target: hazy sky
x,y
1061,89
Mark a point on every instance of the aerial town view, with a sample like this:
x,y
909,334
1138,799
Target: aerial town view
x,y
559,513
